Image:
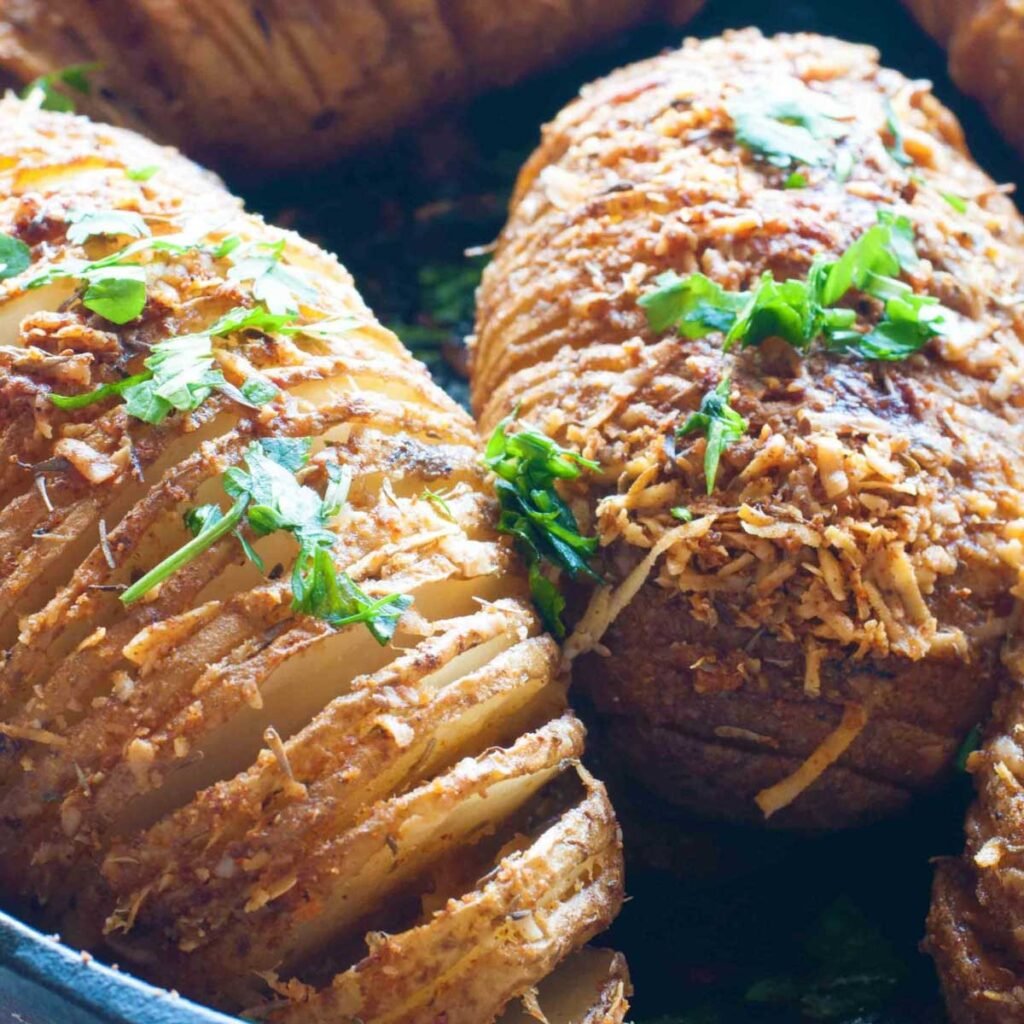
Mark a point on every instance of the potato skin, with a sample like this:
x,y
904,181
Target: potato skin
x,y
278,84
739,657
985,39
208,785
974,932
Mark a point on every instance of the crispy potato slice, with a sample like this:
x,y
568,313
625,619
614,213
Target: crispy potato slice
x,y
224,785
512,927
281,85
589,987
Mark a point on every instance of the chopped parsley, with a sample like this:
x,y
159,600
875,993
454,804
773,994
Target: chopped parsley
x,y
695,305
800,311
267,497
143,173
15,257
117,294
86,224
116,286
49,92
785,127
439,500
971,743
959,203
526,465
683,514
843,167
180,373
795,179
279,287
720,424
898,149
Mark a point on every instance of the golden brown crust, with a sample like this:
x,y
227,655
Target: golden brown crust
x,y
979,983
279,83
974,925
985,39
846,585
221,785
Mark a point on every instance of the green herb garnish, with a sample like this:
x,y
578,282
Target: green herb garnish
x,y
720,424
440,501
116,286
971,743
86,224
267,496
695,305
959,203
279,287
45,92
15,257
843,167
118,294
898,148
683,514
143,173
181,373
526,465
799,311
786,128
795,180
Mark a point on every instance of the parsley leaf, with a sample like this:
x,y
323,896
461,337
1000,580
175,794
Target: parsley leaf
x,y
799,311
959,203
788,125
901,238
45,92
843,167
118,294
526,465
439,500
268,497
683,514
181,373
106,391
211,527
775,309
116,287
720,424
971,743
694,304
15,257
143,173
898,148
86,224
795,180
279,287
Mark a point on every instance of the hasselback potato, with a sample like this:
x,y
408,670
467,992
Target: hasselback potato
x,y
762,284
974,931
985,39
280,83
271,693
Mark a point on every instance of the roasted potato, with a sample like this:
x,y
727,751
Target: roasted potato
x,y
985,39
280,83
801,622
974,927
331,718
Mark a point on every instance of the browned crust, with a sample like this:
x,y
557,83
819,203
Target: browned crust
x,y
985,39
791,597
221,784
282,83
979,983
